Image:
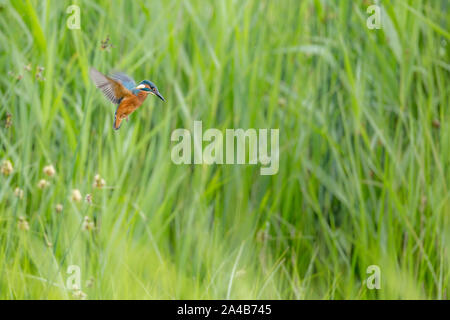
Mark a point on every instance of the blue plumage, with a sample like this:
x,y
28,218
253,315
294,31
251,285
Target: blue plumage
x,y
125,80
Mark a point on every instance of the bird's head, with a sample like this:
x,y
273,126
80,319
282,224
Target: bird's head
x,y
149,87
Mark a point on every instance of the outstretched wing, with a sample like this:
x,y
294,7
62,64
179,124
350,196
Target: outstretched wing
x,y
125,80
113,89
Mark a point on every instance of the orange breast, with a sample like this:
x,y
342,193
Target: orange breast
x,y
127,106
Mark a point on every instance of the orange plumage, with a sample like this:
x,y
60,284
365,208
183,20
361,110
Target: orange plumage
x,y
127,106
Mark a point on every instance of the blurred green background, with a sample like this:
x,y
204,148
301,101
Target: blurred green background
x,y
364,150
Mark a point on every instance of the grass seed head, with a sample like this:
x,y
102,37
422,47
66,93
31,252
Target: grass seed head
x,y
18,193
88,198
7,168
8,120
90,282
22,224
88,225
49,170
59,208
99,182
48,243
42,184
76,195
78,294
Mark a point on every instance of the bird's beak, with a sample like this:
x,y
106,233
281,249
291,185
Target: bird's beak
x,y
159,96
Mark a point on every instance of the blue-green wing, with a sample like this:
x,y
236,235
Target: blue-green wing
x,y
125,80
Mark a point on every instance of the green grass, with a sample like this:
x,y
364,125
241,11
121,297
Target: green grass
x,y
364,150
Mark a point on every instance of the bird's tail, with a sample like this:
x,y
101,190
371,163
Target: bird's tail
x,y
117,121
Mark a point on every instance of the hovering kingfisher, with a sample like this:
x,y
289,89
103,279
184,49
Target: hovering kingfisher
x,y
122,90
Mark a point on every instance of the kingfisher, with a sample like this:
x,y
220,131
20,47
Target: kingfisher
x,y
122,90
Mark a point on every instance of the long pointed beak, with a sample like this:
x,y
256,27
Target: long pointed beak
x,y
160,96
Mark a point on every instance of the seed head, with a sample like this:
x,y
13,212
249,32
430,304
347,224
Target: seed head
x,y
78,294
99,182
76,195
59,208
88,198
39,75
47,241
42,184
88,225
22,224
18,193
7,167
90,282
49,170
8,121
